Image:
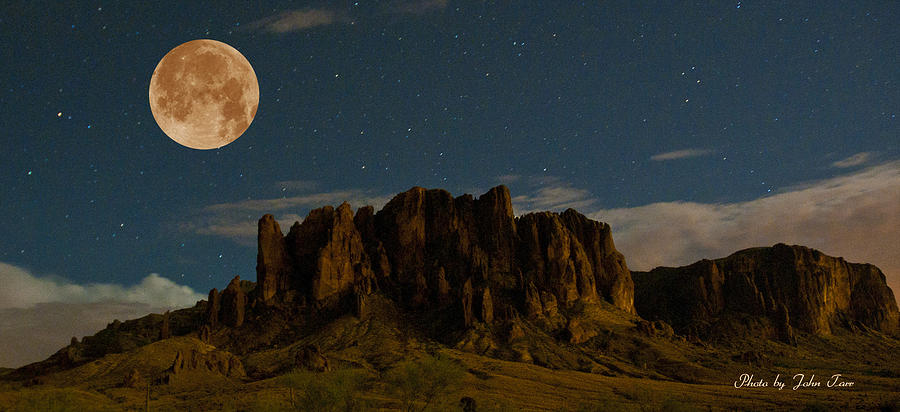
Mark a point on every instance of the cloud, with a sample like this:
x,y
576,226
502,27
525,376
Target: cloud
x,y
38,315
856,216
21,289
241,230
296,20
311,17
855,160
238,220
354,197
555,197
680,154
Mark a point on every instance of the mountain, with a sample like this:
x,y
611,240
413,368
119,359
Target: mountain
x,y
468,267
513,301
781,288
469,258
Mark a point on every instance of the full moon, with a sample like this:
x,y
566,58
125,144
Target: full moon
x,y
204,94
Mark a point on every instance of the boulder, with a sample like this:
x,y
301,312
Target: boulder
x,y
656,328
467,404
133,380
309,357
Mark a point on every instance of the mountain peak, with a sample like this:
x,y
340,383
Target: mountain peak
x,y
471,258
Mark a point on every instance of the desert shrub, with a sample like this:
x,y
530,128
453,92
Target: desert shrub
x,y
885,373
420,383
640,394
577,308
605,340
816,407
642,357
498,405
598,407
267,405
55,401
889,405
327,391
673,405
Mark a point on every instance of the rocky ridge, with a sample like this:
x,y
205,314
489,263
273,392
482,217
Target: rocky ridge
x,y
790,288
465,262
469,260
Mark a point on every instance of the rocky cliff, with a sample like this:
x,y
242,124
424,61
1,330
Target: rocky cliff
x,y
792,288
469,259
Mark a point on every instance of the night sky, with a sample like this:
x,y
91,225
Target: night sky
x,y
695,129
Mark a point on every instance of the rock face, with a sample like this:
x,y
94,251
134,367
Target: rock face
x,y
213,306
273,268
133,380
330,254
216,361
204,333
794,287
575,258
309,357
656,328
470,259
164,329
233,304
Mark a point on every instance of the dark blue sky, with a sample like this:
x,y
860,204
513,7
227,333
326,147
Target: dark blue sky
x,y
747,98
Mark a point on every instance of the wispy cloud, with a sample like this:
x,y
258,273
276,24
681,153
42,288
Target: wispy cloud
x,y
296,20
238,220
38,315
681,154
311,17
855,160
240,228
554,197
354,197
